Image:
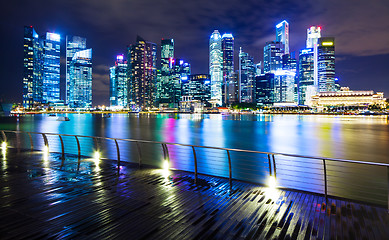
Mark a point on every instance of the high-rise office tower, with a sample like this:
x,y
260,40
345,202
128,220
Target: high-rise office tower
x,y
228,64
73,44
272,56
264,89
197,87
258,69
180,70
216,67
118,83
326,64
80,80
282,35
32,66
246,77
284,80
51,68
142,74
313,35
41,69
165,85
307,87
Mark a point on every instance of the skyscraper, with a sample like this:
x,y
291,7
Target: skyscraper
x,y
80,80
282,35
228,65
307,87
41,74
326,64
142,74
272,56
197,87
313,35
118,83
246,77
215,67
51,68
264,89
165,87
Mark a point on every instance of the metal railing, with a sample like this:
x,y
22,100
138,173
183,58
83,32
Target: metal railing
x,y
332,172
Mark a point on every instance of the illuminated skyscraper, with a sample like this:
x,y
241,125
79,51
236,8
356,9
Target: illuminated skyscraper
x,y
167,48
228,65
51,68
307,87
216,67
197,87
272,56
246,77
80,80
264,89
118,83
326,64
313,35
142,74
165,87
41,75
282,35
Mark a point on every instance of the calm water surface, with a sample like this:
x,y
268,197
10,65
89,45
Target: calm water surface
x,y
349,137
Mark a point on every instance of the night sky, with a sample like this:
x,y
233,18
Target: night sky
x,y
360,28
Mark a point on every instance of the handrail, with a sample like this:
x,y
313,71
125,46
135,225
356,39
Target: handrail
x,y
217,148
270,155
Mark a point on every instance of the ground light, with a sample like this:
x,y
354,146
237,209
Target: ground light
x,y
96,160
46,155
4,149
272,192
4,145
165,170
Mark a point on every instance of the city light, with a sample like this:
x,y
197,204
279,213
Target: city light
x,y
4,145
271,182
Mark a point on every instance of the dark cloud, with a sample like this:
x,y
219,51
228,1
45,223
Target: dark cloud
x,y
361,29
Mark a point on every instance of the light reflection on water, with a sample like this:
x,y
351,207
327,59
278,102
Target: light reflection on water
x,y
349,137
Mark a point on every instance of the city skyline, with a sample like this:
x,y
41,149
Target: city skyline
x,y
353,67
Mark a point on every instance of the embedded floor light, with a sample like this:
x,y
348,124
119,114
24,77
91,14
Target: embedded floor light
x,y
271,182
4,145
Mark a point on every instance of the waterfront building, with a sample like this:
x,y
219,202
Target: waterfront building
x,y
272,56
74,44
180,70
118,83
32,65
307,87
228,65
326,64
264,89
233,88
80,80
216,67
346,97
41,68
282,35
313,35
284,86
197,87
246,77
142,74
165,86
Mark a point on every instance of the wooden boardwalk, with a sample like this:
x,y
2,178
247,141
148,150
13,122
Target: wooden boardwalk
x,y
42,200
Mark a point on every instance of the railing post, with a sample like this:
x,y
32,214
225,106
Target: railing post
x,y
62,147
229,167
118,154
195,163
167,153
274,167
325,178
96,144
4,136
78,147
139,154
45,140
270,170
31,142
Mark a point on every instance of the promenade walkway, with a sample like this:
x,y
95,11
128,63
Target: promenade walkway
x,y
40,199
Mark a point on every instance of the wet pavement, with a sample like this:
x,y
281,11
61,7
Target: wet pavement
x,y
43,197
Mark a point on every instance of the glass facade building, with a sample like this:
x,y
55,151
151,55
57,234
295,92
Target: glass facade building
x,y
74,44
272,56
142,74
118,83
246,77
80,80
41,68
197,87
326,64
216,67
307,87
264,89
282,35
228,66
